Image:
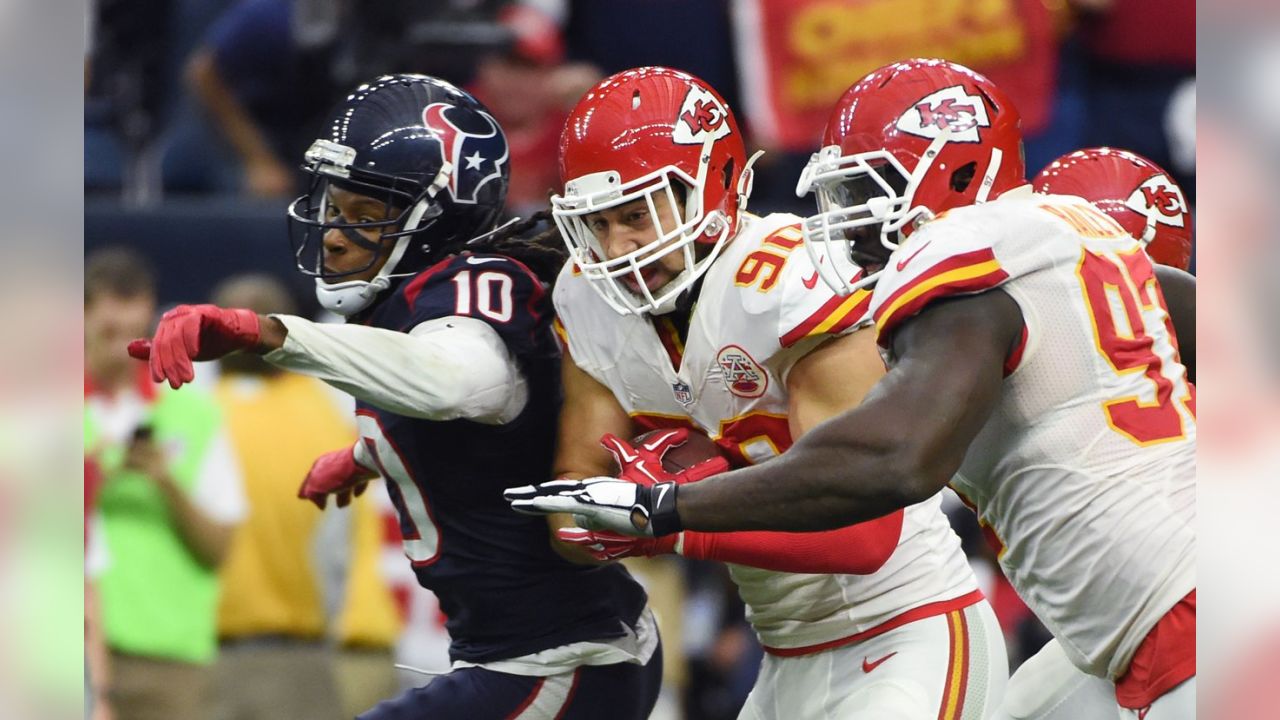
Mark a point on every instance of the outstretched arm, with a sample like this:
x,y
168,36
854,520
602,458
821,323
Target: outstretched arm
x,y
899,447
827,381
443,369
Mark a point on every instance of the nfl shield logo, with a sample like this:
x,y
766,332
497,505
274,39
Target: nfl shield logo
x,y
683,393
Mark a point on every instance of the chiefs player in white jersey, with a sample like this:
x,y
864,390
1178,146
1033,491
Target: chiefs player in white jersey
x,y
1149,205
1032,365
681,310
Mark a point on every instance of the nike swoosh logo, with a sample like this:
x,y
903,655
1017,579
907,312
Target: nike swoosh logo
x,y
903,263
662,492
659,440
868,666
640,467
812,280
481,261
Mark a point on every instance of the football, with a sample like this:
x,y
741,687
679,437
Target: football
x,y
699,447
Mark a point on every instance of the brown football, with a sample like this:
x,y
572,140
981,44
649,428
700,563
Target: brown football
x,y
699,447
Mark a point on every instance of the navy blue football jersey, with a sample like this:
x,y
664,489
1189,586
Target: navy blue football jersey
x,y
505,592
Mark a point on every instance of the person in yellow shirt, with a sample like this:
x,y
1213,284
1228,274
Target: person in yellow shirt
x,y
369,624
276,658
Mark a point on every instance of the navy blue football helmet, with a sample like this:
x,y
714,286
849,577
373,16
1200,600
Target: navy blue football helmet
x,y
430,152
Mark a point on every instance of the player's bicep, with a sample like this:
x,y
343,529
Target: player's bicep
x,y
832,378
947,379
589,411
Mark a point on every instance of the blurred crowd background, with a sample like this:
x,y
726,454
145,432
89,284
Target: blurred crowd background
x,y
196,114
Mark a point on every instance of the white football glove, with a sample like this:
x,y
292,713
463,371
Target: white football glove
x,y
602,504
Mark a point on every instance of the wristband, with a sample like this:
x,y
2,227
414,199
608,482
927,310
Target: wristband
x,y
658,512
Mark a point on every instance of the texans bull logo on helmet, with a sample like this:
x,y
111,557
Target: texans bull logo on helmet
x,y
949,108
476,154
1159,194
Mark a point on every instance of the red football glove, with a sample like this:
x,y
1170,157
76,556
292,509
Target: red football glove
x,y
195,332
335,473
643,464
605,546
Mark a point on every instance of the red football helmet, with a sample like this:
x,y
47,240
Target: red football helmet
x,y
1130,188
629,138
905,143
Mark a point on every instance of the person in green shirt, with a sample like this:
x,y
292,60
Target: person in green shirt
x,y
170,498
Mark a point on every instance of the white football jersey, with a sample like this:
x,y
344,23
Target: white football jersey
x,y
1086,469
761,307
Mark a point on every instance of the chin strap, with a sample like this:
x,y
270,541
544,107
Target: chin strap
x,y
747,181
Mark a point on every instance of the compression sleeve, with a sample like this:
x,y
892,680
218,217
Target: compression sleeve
x,y
443,369
858,549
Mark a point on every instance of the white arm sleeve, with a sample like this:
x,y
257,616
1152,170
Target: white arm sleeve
x,y
444,369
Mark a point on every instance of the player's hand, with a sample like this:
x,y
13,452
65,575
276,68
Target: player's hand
x,y
603,504
335,473
604,545
642,464
195,332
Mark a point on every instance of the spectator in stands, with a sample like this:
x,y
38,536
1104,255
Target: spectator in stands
x,y
530,89
1140,57
370,622
261,77
169,502
274,659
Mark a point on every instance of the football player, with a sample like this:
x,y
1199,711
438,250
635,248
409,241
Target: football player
x,y
1148,204
682,310
449,353
1031,366
1145,200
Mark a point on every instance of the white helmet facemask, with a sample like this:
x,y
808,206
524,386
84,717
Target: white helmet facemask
x,y
883,190
595,192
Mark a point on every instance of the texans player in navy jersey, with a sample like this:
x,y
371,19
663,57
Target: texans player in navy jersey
x,y
449,352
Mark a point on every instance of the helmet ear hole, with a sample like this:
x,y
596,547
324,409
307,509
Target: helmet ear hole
x,y
963,176
728,174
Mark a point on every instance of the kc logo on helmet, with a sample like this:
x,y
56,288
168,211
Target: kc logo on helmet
x,y
700,113
950,108
477,157
1159,194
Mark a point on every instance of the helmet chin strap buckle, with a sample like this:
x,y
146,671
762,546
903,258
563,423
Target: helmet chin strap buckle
x,y
375,286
